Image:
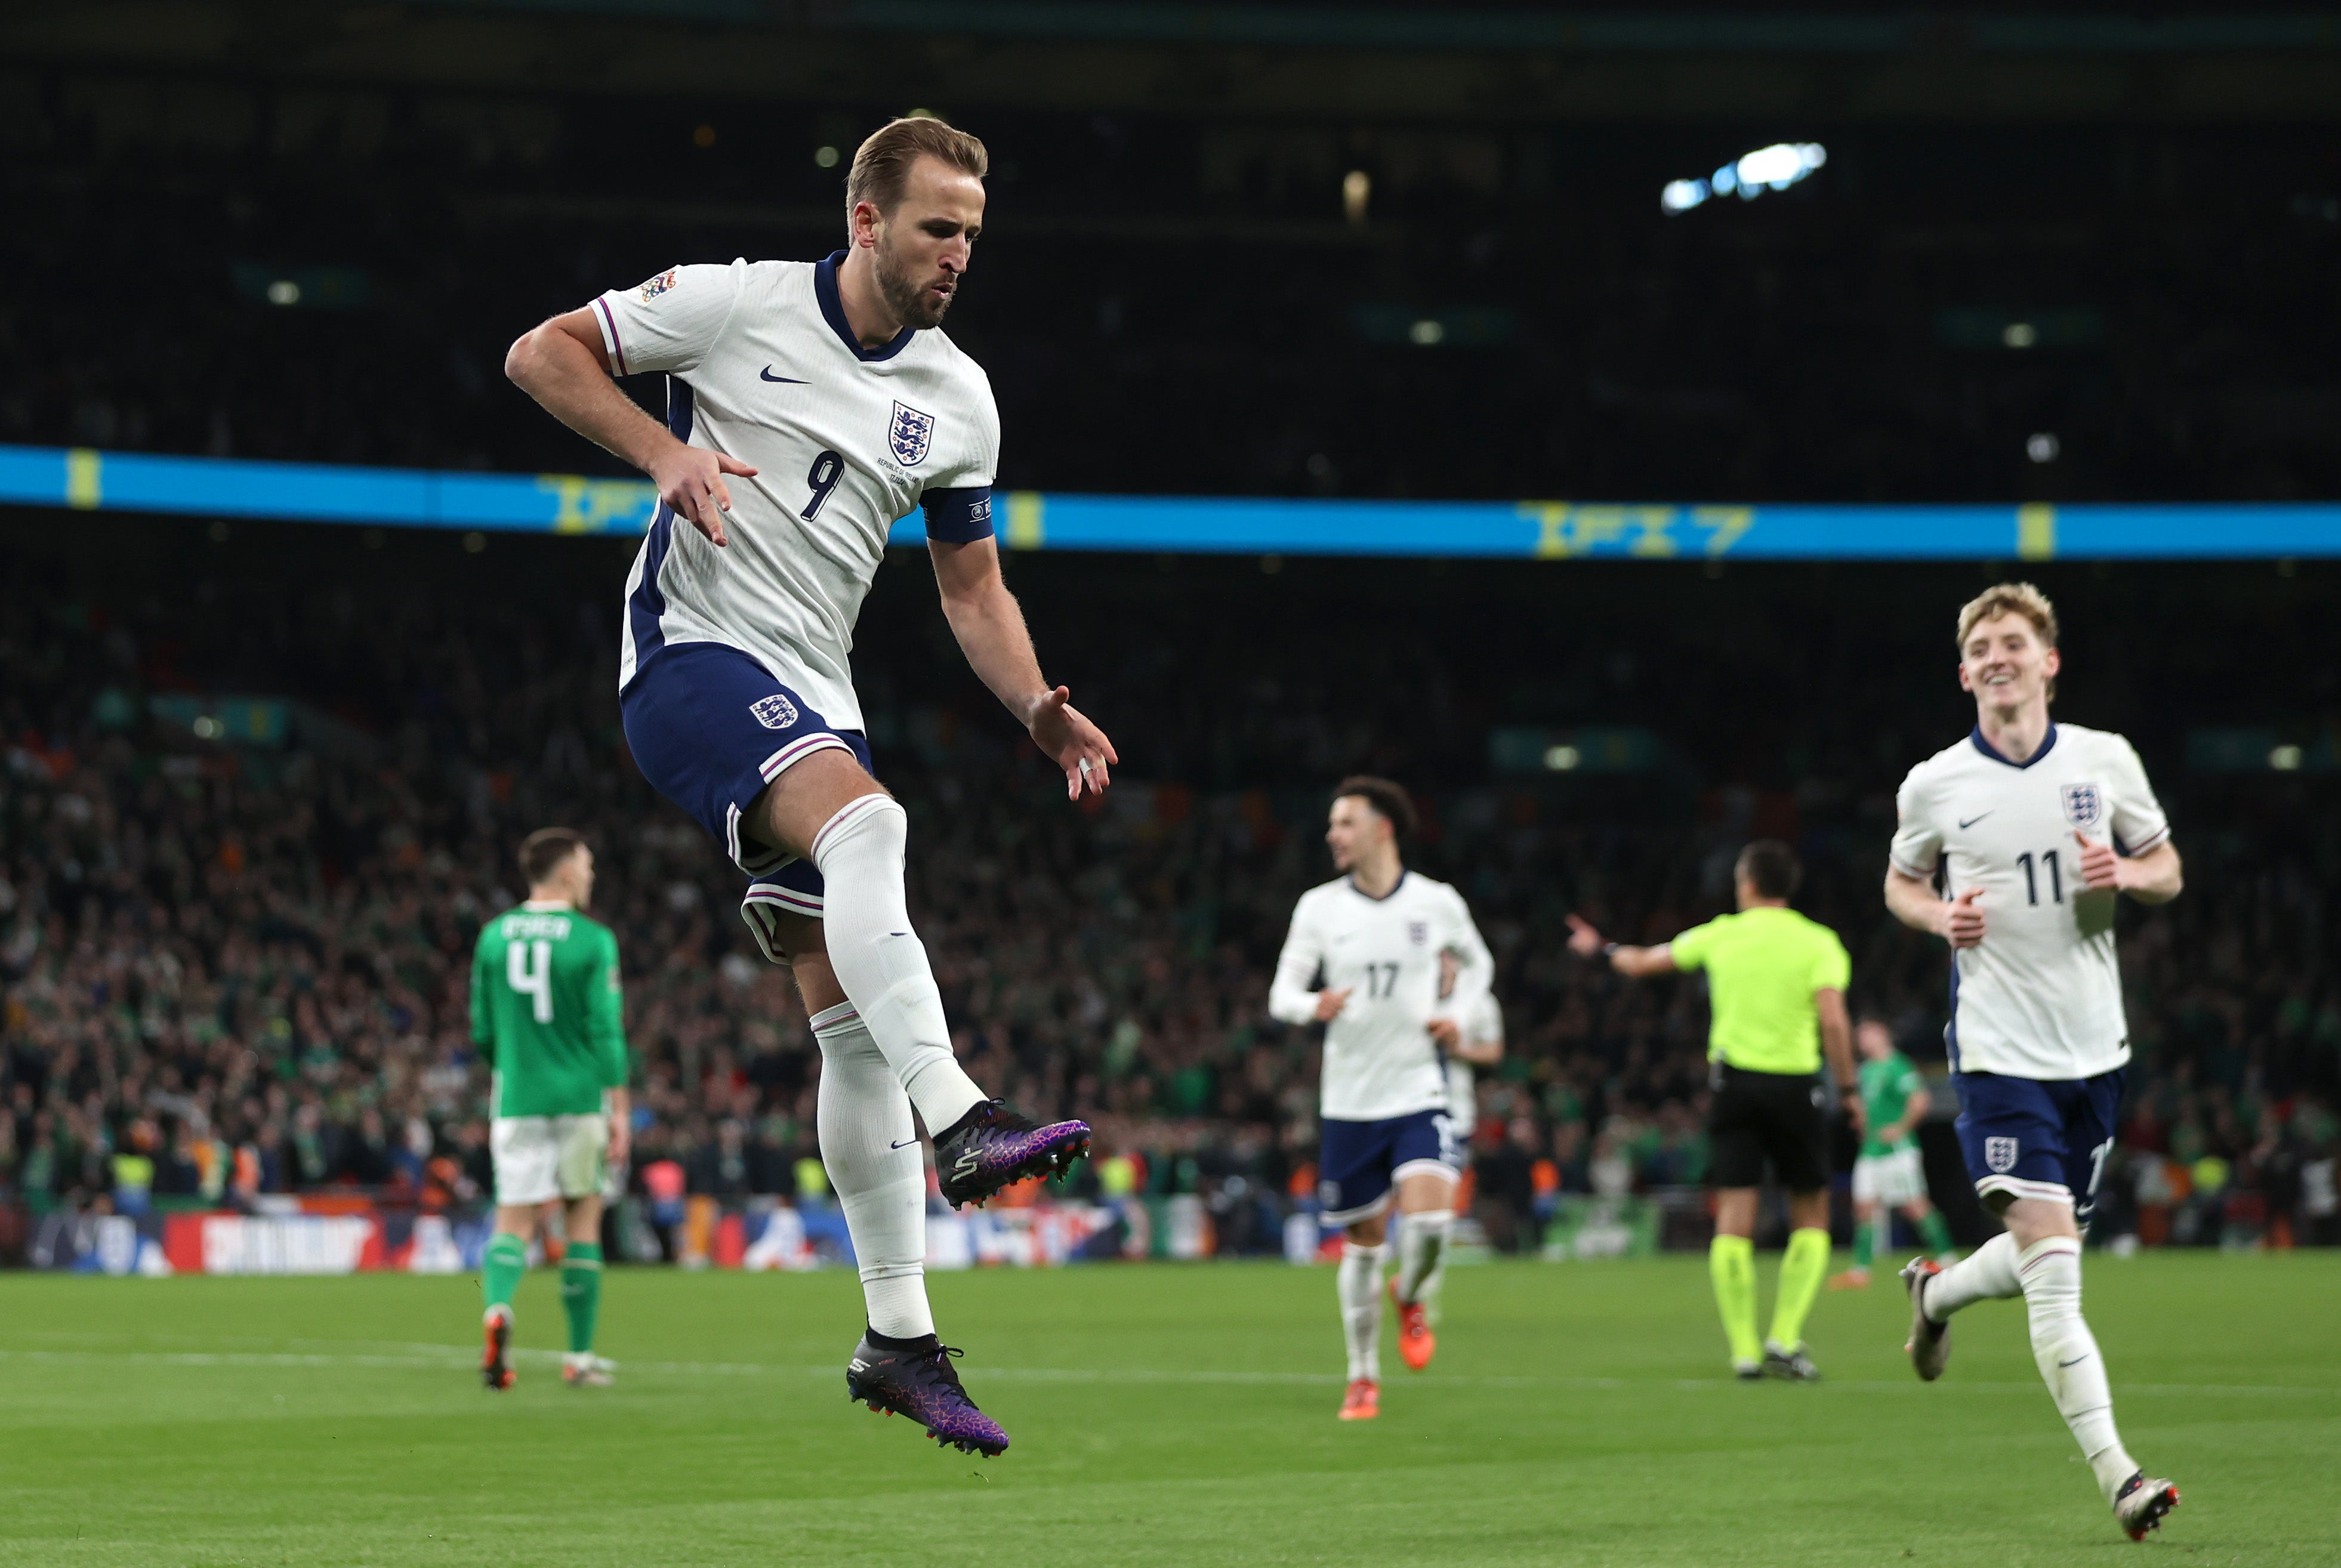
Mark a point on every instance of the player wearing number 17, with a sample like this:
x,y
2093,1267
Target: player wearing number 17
x,y
810,405
1390,962
2032,830
545,1006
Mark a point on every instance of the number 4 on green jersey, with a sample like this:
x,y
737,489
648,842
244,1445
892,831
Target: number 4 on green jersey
x,y
546,1004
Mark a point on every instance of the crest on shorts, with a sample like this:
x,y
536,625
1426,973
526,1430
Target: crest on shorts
x,y
1418,932
2085,806
909,435
654,287
2000,1155
773,712
1329,1194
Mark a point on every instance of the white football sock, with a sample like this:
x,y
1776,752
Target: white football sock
x,y
2067,1353
869,1147
1987,1274
1359,1287
881,964
1421,1246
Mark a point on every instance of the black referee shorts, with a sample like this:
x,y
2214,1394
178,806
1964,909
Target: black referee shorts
x,y
1760,1116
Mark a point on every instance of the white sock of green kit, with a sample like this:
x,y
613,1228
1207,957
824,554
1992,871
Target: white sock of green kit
x,y
1359,1287
2067,1353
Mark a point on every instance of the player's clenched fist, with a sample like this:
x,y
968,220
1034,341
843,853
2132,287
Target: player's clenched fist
x,y
1962,920
689,480
1329,1004
2100,866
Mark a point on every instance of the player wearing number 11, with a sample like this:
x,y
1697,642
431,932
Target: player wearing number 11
x,y
2033,829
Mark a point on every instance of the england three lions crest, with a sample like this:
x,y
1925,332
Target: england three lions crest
x,y
911,435
2085,806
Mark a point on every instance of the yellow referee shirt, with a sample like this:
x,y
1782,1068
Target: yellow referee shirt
x,y
1763,965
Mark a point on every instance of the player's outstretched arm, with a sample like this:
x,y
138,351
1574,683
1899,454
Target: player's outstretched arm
x,y
561,363
990,625
2153,877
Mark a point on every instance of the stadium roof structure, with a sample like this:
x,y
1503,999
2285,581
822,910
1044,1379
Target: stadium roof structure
x,y
83,479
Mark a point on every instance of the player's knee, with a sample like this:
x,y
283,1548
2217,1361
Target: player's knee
x,y
872,824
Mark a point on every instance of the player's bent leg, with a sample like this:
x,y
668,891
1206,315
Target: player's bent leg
x,y
2048,1268
501,1265
1425,1200
828,809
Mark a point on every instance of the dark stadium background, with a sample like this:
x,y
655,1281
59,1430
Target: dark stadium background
x,y
211,949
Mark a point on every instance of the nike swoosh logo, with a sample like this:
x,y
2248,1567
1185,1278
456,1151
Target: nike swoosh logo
x,y
1972,821
767,375
906,1143
2075,1361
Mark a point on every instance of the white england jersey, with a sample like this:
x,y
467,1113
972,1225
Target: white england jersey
x,y
1379,1058
1483,1026
762,367
2040,996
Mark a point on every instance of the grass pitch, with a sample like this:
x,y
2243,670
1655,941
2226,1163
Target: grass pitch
x,y
1576,1414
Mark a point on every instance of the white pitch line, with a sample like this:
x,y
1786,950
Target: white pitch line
x,y
437,1357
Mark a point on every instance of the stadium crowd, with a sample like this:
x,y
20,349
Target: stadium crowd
x,y
234,947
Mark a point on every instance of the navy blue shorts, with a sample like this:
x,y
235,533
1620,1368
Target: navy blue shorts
x,y
2030,1138
1361,1161
710,726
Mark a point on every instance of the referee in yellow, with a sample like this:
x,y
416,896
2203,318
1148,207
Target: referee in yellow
x,y
1776,988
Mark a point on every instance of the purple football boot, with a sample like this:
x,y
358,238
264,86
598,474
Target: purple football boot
x,y
923,1385
992,1146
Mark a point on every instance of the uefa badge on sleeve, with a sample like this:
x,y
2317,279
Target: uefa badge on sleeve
x,y
909,435
2085,806
2000,1155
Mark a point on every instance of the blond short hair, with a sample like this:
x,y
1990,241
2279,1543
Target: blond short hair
x,y
2009,599
881,165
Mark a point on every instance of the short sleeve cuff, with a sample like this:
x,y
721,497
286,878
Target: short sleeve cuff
x,y
957,516
611,342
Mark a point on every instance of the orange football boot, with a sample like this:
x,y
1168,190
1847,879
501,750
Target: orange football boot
x,y
1416,1342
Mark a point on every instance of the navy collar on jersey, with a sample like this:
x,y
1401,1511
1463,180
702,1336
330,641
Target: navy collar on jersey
x,y
1352,880
2047,744
833,311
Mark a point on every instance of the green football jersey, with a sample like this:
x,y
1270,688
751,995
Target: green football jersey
x,y
1886,1085
546,1002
